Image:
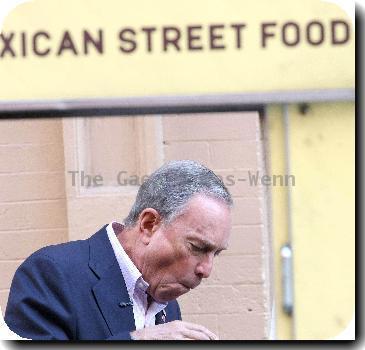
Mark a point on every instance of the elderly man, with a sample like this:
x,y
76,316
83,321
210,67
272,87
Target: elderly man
x,y
122,282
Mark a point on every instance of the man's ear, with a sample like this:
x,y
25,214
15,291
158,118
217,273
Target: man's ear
x,y
149,222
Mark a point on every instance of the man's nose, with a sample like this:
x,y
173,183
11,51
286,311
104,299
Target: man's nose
x,y
204,267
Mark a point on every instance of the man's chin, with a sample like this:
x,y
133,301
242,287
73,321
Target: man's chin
x,y
168,293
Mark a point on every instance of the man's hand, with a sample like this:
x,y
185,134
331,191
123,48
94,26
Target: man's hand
x,y
175,330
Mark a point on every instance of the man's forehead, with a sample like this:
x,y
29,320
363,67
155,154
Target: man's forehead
x,y
207,220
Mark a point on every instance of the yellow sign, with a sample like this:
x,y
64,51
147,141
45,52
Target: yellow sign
x,y
89,48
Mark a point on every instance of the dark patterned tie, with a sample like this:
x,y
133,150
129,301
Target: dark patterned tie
x,y
161,317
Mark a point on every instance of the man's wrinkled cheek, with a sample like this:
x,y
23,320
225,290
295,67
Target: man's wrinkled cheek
x,y
166,258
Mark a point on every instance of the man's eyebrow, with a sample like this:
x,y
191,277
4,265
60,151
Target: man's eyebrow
x,y
208,244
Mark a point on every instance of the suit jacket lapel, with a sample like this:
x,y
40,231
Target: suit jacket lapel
x,y
110,291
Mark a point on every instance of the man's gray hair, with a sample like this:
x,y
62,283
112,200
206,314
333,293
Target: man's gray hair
x,y
170,187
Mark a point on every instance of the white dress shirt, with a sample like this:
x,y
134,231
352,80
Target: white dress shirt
x,y
144,316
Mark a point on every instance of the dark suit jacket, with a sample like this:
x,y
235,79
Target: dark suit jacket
x,y
73,291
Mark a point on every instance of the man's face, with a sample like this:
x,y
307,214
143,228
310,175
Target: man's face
x,y
180,254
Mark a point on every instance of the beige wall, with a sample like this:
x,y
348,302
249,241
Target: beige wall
x,y
32,192
235,301
89,208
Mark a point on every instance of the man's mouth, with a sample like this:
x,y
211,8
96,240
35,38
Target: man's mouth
x,y
190,286
186,286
